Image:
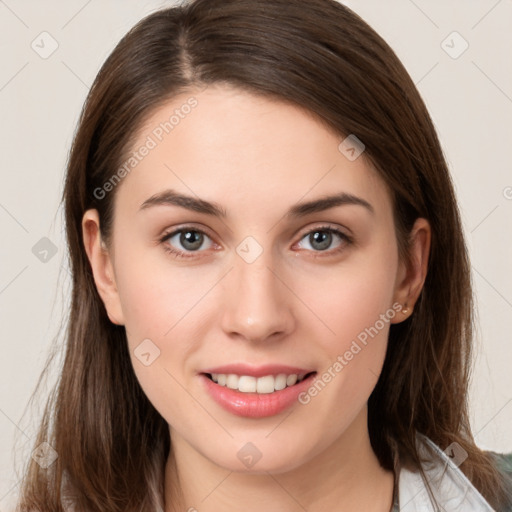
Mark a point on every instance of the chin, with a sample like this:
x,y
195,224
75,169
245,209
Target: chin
x,y
251,459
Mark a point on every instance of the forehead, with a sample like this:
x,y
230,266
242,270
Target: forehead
x,y
245,151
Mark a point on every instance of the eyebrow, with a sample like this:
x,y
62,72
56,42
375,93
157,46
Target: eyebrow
x,y
172,198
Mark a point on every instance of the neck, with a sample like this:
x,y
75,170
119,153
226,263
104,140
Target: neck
x,y
345,476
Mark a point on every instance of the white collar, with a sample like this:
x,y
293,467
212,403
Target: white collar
x,y
450,487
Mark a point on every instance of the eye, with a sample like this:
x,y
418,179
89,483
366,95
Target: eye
x,y
189,238
321,238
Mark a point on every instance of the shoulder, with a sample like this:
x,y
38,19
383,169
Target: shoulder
x,y
503,461
451,484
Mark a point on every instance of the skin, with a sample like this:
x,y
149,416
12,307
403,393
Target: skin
x,y
256,158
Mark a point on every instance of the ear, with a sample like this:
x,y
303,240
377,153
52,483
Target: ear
x,y
101,264
412,273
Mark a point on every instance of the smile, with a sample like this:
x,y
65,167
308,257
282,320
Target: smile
x,y
255,392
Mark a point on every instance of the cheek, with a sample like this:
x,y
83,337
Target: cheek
x,y
355,303
353,296
357,309
170,305
157,295
161,306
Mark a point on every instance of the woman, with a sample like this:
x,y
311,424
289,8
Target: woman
x,y
215,352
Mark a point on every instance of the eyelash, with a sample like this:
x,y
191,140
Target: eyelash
x,y
346,240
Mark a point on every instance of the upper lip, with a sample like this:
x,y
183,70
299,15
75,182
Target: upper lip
x,y
257,371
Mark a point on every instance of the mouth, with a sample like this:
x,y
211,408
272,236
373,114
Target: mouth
x,y
261,385
268,393
256,391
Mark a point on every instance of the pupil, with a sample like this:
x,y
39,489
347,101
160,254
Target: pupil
x,y
323,237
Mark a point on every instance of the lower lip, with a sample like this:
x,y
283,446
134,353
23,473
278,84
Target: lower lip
x,y
255,405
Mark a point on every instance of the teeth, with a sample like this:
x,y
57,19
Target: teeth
x,y
249,384
291,380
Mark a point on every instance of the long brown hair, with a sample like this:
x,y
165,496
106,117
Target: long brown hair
x,y
111,443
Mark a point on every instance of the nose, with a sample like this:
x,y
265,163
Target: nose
x,y
258,303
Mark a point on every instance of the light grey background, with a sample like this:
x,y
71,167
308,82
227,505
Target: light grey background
x,y
469,98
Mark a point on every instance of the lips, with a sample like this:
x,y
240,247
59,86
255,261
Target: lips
x,y
256,392
257,371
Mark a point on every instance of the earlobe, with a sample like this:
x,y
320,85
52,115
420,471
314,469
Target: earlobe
x,y
413,272
102,267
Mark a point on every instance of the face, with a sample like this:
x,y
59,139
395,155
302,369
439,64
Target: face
x,y
248,281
